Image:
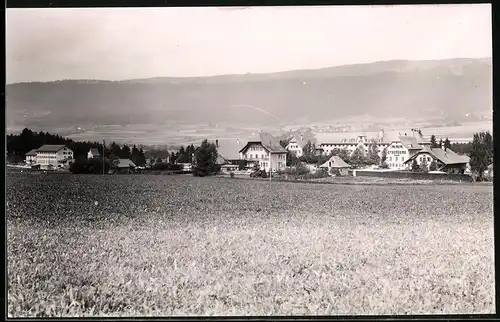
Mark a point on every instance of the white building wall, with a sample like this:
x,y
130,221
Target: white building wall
x,y
397,153
257,153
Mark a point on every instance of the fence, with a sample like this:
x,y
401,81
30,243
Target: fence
x,y
414,175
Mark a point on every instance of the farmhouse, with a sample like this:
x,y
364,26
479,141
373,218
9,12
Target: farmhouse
x,y
93,153
265,151
53,156
31,157
121,166
336,165
399,151
446,160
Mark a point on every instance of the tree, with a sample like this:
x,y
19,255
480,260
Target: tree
x,y
414,166
433,141
125,152
373,157
137,156
383,157
172,158
481,155
433,166
284,143
291,159
447,144
341,153
440,143
309,152
242,164
358,157
206,159
115,150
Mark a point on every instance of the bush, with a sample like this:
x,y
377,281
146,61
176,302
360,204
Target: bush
x,y
91,166
231,174
299,169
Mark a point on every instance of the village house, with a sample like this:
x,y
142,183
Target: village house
x,y
93,153
53,156
335,165
120,166
446,160
264,151
399,151
298,142
30,157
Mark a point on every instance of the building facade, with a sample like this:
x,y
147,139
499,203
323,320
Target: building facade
x,y
53,156
266,152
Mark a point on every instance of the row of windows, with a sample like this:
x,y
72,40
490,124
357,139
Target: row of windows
x,y
398,152
255,148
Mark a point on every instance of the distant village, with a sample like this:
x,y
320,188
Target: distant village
x,y
388,152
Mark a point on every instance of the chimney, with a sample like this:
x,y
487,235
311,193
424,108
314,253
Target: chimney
x,y
217,143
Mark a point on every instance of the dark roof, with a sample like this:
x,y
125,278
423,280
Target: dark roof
x,y
31,153
446,157
337,163
50,148
94,151
269,142
122,163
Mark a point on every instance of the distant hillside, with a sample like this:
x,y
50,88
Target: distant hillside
x,y
393,88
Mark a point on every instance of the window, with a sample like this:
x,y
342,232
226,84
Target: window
x,y
396,159
420,159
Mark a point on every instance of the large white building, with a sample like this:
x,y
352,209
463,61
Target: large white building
x,y
351,145
50,156
265,151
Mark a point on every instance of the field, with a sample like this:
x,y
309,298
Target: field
x,y
179,245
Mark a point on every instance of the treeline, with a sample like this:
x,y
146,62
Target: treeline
x,y
27,140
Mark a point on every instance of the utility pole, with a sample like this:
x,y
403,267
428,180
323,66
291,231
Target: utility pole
x,y
103,148
270,169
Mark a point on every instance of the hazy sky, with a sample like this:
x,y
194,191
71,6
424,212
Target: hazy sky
x,y
100,43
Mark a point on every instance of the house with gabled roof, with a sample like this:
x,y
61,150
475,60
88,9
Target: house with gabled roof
x,y
336,164
30,157
264,150
121,166
93,153
53,156
446,159
298,141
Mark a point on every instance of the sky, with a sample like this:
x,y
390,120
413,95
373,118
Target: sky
x,y
128,43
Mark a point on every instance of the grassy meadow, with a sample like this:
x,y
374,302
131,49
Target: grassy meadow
x,y
178,245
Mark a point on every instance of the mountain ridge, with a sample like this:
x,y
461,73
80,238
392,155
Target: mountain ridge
x,y
394,88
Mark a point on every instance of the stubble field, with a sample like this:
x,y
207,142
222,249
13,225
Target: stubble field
x,y
179,245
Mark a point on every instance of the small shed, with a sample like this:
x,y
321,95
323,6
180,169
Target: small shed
x,y
336,165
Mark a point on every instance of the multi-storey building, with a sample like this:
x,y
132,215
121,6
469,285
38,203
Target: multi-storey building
x,y
265,151
53,156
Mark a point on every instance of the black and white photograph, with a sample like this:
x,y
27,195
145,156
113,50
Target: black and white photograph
x,y
249,161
